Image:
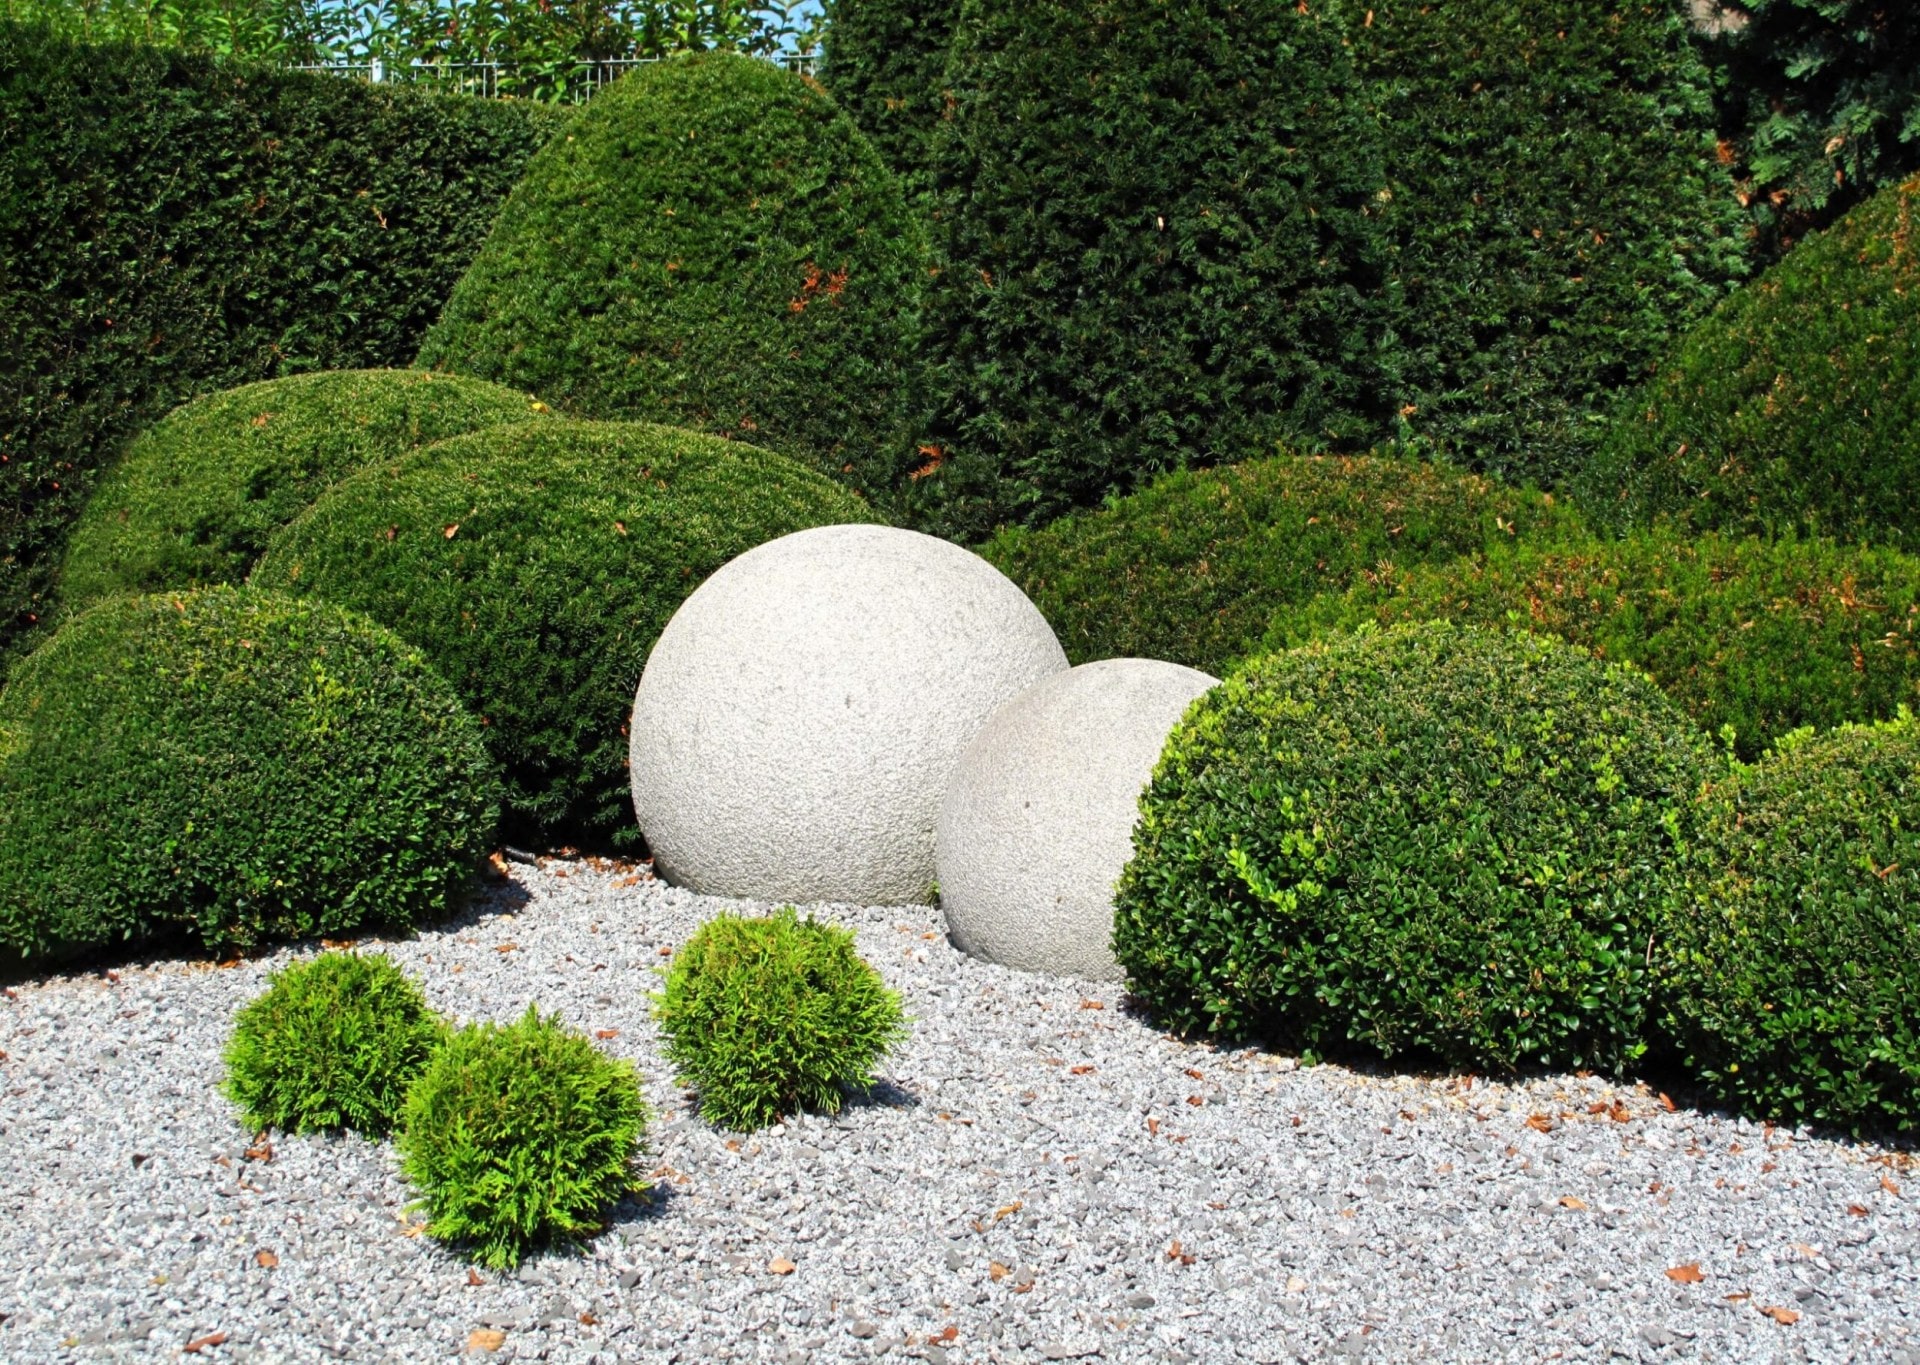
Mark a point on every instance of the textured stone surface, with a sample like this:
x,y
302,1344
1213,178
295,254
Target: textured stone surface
x,y
1038,820
797,722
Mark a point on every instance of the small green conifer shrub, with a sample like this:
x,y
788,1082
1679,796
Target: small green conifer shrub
x,y
333,1043
764,1016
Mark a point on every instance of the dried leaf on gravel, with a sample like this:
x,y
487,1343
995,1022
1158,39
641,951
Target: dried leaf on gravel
x,y
1080,1070
997,1272
1571,1201
1686,1274
1786,1317
1888,1185
265,1259
605,1033
781,1266
1007,1210
485,1339
199,1344
1540,1123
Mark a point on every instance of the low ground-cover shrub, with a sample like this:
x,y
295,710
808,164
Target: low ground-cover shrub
x,y
1763,637
333,1043
521,1136
1191,568
198,494
535,565
1791,973
235,765
714,244
1430,841
1795,407
766,1016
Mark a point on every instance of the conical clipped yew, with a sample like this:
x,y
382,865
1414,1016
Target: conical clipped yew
x,y
713,245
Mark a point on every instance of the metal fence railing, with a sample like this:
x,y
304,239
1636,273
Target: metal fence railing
x,y
493,80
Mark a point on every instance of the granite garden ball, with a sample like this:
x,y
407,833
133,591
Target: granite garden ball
x,y
801,714
1038,820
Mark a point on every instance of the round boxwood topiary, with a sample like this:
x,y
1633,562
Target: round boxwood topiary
x,y
714,245
536,565
1434,841
195,498
1795,407
1791,976
1190,568
233,764
333,1043
521,1136
1757,637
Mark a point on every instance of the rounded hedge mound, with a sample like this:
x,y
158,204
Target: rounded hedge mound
x,y
1429,841
1157,245
1791,976
196,496
713,245
536,565
1795,407
1190,568
1557,212
235,765
1760,637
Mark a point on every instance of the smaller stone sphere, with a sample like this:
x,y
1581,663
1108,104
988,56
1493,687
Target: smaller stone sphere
x,y
801,714
1037,823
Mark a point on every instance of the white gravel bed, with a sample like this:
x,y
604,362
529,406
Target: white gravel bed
x,y
1042,1176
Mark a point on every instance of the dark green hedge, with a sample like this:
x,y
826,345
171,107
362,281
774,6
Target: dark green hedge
x,y
1796,406
172,225
536,565
1558,212
1157,248
1192,567
233,765
713,245
1762,637
197,495
886,62
1430,841
1791,976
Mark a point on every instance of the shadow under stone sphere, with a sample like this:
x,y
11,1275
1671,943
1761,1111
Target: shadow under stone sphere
x,y
801,714
1037,823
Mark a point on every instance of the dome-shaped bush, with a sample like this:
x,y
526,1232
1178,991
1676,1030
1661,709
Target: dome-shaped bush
x,y
536,565
713,244
1156,249
1190,568
1433,841
1791,976
196,496
1795,407
1557,212
235,765
1762,637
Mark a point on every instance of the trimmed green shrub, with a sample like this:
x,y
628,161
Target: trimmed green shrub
x,y
766,1016
521,1136
1430,841
196,497
1795,408
1156,247
173,224
536,565
1190,568
1758,637
713,245
1557,213
235,765
886,62
334,1043
1791,976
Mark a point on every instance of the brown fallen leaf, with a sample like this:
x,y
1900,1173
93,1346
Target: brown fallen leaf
x,y
1858,1210
473,1277
1689,1273
1195,1101
1742,1297
1812,1253
605,1033
780,1265
1079,1070
1569,1201
1176,1252
1540,1123
1153,1125
1024,1287
451,531
1619,1113
666,952
1888,1185
1197,1075
1006,1210
997,1272
1786,1317
199,1344
589,1320
948,1333
265,1259
506,948
1666,1102
1093,1004
262,1150
485,1339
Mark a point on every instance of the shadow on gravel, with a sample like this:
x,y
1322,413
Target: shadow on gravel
x,y
884,1095
650,1206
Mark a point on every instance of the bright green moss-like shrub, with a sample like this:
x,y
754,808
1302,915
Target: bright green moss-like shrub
x,y
1762,637
1430,841
713,245
1156,247
766,1016
1791,975
197,495
1796,406
334,1043
886,61
521,1136
536,565
1557,212
235,765
1191,567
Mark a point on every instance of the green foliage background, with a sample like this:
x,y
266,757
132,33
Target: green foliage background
x,y
885,61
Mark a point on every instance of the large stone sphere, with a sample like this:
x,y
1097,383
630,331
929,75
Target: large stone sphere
x,y
1037,823
801,714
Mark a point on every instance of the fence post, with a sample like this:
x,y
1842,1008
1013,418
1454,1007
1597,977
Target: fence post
x,y
375,72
